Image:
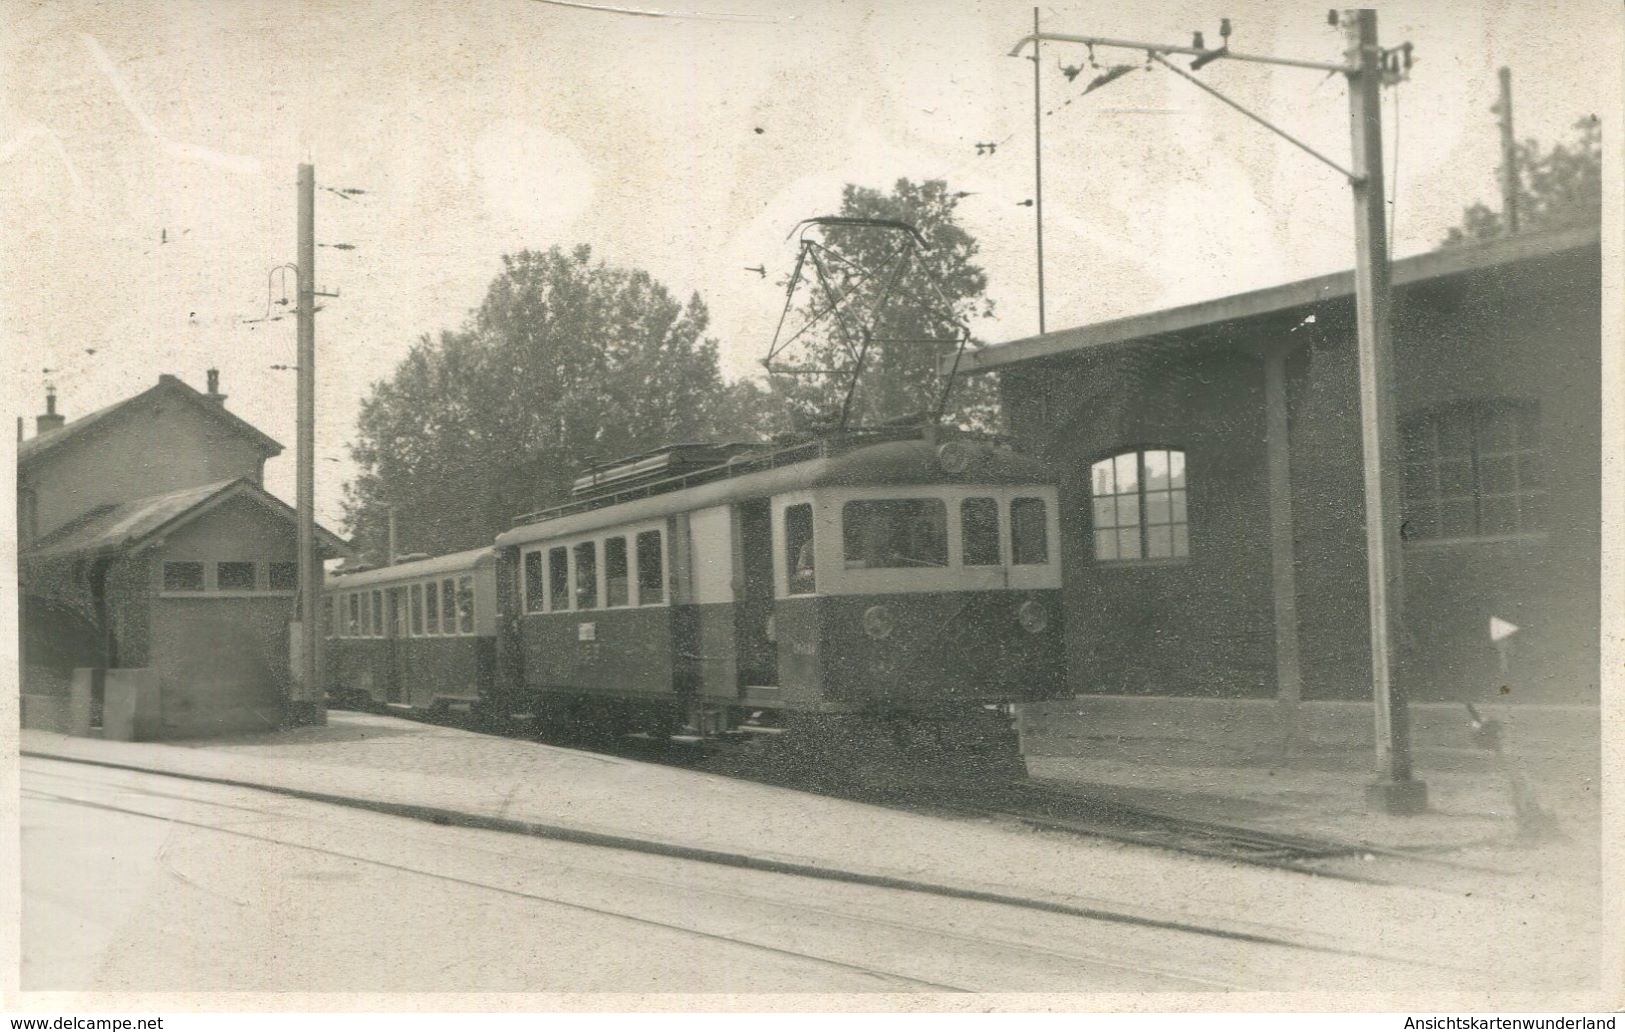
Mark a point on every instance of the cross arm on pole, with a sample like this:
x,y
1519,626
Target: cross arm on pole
x,y
1224,52
1283,134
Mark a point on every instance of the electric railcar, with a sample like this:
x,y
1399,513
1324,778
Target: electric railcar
x,y
894,576
416,635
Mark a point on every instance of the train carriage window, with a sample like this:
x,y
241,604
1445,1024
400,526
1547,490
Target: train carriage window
x,y
417,610
890,533
431,609
617,586
651,569
465,605
799,550
1029,532
353,628
534,584
448,606
979,531
587,575
558,579
397,610
328,622
378,613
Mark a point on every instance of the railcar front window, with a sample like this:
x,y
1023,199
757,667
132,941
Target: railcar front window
x,y
465,605
798,549
558,579
651,569
979,531
587,575
1029,532
617,585
890,533
534,584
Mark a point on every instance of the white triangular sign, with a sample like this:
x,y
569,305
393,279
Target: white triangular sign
x,y
1501,630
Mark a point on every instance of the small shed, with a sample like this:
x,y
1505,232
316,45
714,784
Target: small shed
x,y
197,585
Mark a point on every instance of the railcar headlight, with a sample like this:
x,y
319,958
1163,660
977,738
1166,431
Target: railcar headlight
x,y
954,457
877,622
1033,617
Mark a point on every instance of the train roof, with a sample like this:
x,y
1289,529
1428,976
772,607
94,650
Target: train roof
x,y
849,462
454,562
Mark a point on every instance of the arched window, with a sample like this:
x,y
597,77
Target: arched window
x,y
1473,470
1138,505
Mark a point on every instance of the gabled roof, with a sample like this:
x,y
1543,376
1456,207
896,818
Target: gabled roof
x,y
170,385
1421,268
126,526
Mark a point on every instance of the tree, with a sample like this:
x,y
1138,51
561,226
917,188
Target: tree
x,y
565,362
1556,188
915,319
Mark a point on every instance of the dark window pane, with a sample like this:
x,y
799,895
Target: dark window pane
x,y
465,605
979,531
799,550
1497,474
1457,517
587,575
233,576
431,609
448,606
1029,532
558,579
1498,514
417,609
354,625
533,582
617,582
1159,543
378,612
651,569
328,621
889,533
183,576
283,576
1456,478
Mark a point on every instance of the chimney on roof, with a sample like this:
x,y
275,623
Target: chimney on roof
x,y
214,394
44,424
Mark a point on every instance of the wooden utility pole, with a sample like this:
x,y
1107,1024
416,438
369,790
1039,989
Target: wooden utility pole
x,y
308,707
1395,790
1509,154
1038,168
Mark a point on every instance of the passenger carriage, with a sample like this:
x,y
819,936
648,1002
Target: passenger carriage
x,y
416,635
873,574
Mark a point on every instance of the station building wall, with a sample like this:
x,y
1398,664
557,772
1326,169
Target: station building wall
x,y
1521,339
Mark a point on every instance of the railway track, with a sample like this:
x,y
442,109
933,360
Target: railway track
x,y
1052,809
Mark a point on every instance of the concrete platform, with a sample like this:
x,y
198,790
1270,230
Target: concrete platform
x,y
390,760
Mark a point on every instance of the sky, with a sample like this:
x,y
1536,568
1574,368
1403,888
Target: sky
x,y
149,153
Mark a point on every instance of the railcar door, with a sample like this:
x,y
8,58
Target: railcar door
x,y
395,658
753,605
